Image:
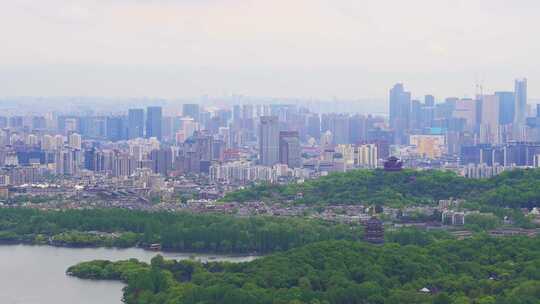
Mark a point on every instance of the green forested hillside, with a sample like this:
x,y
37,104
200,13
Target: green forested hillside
x,y
518,188
479,270
175,231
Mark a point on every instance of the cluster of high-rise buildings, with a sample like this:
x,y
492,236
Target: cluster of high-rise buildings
x,y
273,142
487,119
199,140
493,129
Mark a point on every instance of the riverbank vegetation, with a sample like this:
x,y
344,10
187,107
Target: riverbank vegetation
x,y
174,231
513,189
477,270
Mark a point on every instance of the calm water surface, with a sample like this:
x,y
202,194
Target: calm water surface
x,y
36,274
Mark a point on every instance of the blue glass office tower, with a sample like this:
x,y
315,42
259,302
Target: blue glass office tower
x,y
154,118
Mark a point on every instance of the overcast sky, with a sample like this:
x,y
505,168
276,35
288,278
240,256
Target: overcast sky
x,y
295,48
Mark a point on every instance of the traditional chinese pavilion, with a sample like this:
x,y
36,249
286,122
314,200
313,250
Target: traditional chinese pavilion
x,y
393,164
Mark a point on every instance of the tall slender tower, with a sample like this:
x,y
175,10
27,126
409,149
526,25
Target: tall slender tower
x,y
153,122
135,123
520,115
489,125
269,141
400,111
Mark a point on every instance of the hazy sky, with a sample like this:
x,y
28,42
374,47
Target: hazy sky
x,y
296,48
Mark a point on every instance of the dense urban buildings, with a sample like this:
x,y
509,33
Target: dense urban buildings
x,y
244,143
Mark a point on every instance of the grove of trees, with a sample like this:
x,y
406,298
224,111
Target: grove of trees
x,y
514,189
174,231
478,270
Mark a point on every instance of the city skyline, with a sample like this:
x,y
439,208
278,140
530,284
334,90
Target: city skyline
x,y
340,151
104,105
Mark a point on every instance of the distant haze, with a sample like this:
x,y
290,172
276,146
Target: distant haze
x,y
348,49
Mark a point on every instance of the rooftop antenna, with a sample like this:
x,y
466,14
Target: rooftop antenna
x,y
479,88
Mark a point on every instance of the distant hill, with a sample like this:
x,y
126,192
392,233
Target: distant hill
x,y
518,188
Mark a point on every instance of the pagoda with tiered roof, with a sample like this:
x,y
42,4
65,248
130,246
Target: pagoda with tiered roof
x,y
374,231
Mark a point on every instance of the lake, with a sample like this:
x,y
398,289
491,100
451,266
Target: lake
x,y
36,274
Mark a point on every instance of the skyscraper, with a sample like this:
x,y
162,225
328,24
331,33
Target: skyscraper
x,y
314,126
427,116
400,109
191,110
269,140
489,127
153,122
429,100
443,111
39,122
357,129
115,128
161,161
197,153
167,128
416,115
237,116
339,126
74,141
135,123
520,115
289,149
466,109
507,107
247,117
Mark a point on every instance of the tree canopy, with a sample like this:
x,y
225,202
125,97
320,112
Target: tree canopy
x,y
517,188
477,270
174,231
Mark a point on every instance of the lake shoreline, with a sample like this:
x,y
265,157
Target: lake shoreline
x,y
162,251
32,273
